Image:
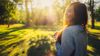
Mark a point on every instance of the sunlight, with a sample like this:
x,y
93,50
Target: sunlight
x,y
47,10
46,3
90,48
42,3
31,27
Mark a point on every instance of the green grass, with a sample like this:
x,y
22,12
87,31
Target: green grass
x,y
20,41
94,40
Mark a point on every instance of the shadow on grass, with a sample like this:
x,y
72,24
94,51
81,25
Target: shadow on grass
x,y
13,29
94,41
42,48
96,27
12,45
4,35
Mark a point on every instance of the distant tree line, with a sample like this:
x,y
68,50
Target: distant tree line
x,y
97,14
10,14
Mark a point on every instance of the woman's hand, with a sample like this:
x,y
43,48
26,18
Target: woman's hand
x,y
57,35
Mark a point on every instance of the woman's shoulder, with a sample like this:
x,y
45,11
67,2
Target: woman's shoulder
x,y
74,28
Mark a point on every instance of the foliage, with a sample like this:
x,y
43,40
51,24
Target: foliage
x,y
97,14
7,10
50,15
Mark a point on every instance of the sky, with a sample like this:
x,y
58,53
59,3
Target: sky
x,y
48,3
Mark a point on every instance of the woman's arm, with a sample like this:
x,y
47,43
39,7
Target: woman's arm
x,y
67,43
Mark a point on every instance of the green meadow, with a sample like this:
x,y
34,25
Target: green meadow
x,y
21,41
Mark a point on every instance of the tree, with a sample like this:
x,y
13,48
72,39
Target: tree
x,y
7,11
97,14
92,14
27,13
61,8
91,8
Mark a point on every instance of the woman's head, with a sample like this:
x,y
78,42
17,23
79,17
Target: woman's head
x,y
76,14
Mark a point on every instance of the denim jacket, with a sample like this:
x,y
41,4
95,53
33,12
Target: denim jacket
x,y
73,42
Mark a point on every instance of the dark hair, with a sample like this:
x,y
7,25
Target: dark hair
x,y
81,17
80,12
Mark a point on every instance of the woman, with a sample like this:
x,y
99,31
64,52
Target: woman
x,y
72,41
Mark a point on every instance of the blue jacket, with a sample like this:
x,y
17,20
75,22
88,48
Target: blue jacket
x,y
74,41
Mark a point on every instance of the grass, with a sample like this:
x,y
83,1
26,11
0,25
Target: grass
x,y
20,41
94,40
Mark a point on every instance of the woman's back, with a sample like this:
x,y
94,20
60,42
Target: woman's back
x,y
74,41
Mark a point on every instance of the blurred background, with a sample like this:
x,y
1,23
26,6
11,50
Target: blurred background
x,y
27,27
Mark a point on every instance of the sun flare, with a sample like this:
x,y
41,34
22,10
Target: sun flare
x,y
42,3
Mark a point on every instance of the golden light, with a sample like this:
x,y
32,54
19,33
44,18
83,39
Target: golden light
x,y
46,10
42,3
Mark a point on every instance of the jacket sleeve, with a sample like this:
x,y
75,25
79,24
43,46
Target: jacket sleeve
x,y
67,43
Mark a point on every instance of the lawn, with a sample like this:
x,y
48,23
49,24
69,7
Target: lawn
x,y
20,41
94,40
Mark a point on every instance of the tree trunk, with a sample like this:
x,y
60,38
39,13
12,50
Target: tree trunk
x,y
31,9
8,23
92,13
27,13
93,20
